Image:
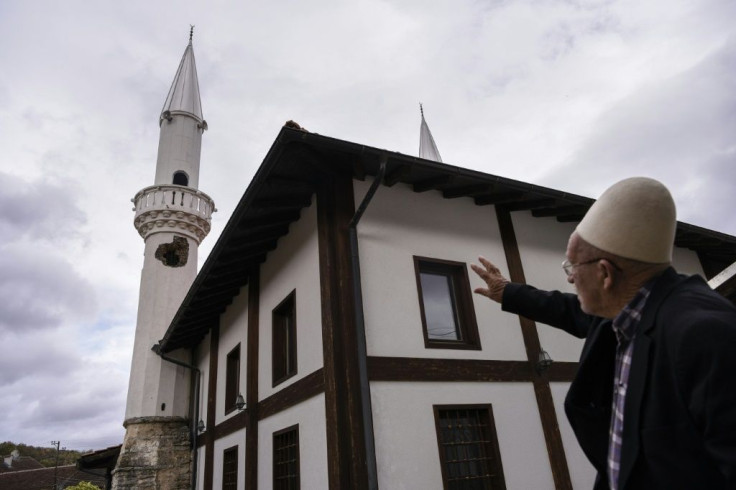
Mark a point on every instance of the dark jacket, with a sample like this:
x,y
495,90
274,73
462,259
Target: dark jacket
x,y
680,410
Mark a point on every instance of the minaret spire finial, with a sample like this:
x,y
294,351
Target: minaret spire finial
x,y
421,109
191,33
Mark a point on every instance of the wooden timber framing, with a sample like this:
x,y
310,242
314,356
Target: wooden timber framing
x,y
251,389
542,391
346,453
209,435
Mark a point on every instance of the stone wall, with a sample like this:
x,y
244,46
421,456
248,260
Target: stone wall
x,y
156,455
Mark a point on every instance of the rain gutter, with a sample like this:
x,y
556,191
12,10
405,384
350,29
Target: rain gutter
x,y
366,408
157,349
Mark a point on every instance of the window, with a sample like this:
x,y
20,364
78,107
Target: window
x,y
232,379
284,339
180,178
446,304
286,459
230,468
468,447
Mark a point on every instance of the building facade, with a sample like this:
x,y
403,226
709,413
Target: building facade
x,y
331,339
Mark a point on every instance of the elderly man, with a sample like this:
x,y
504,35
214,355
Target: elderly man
x,y
653,404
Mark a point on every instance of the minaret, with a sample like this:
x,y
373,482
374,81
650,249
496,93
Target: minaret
x,y
172,217
427,147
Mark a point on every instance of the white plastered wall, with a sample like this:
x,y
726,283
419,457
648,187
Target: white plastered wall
x,y
542,244
310,416
233,331
234,439
406,439
687,262
202,353
399,224
294,265
200,467
582,473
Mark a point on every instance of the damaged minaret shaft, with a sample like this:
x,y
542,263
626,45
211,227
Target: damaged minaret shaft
x,y
173,217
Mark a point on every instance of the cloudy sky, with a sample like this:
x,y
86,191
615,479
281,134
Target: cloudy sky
x,y
569,94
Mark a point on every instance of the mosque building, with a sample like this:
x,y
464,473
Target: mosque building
x,y
331,339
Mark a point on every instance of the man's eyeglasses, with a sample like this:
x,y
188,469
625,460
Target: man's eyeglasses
x,y
568,266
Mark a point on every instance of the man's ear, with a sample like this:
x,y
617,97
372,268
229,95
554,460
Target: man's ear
x,y
607,274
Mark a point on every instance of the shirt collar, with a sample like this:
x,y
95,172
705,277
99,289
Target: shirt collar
x,y
626,322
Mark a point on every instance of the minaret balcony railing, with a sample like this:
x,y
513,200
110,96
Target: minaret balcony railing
x,y
173,208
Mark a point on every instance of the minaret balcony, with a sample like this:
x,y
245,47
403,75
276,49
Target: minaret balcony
x,y
173,209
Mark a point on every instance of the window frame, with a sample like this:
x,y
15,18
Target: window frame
x,y
490,438
232,386
463,303
284,360
225,474
276,435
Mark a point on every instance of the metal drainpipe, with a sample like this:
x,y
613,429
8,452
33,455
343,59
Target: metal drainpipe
x,y
366,409
157,349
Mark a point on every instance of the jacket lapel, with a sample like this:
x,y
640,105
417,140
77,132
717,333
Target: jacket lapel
x,y
638,373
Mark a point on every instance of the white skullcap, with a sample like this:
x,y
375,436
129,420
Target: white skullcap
x,y
635,219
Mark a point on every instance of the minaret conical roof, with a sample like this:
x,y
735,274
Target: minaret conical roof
x,y
184,92
427,147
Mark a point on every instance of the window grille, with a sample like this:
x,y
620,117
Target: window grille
x,y
468,448
230,468
286,459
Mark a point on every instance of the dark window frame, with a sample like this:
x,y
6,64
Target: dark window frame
x,y
488,445
232,379
227,472
290,484
464,310
284,345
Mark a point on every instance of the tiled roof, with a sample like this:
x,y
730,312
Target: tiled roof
x,y
43,478
20,464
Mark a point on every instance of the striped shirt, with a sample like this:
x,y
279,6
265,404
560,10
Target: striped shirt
x,y
624,326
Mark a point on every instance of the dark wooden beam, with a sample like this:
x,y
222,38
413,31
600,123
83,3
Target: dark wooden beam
x,y
466,191
542,391
241,254
201,299
498,198
274,228
209,452
240,271
251,389
311,385
290,201
432,183
430,369
570,218
346,450
268,219
359,171
398,174
302,182
562,371
559,211
527,204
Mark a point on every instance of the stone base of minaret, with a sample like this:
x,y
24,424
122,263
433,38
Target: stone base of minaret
x,y
156,455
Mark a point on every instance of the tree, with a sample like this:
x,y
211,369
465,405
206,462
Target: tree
x,y
84,485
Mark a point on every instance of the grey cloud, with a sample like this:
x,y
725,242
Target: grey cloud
x,y
28,359
37,210
40,290
680,131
